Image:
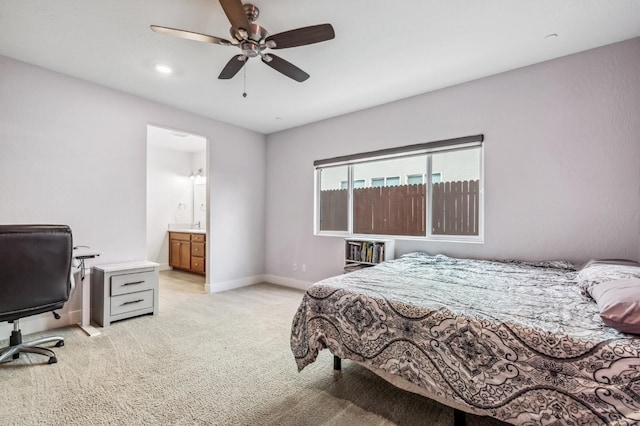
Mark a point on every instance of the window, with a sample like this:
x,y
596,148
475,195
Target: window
x,y
389,181
392,181
367,205
334,198
419,179
344,184
414,179
377,182
426,206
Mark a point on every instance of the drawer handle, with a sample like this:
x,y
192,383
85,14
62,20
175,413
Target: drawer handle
x,y
132,302
133,283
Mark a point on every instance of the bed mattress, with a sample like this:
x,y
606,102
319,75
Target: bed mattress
x,y
513,340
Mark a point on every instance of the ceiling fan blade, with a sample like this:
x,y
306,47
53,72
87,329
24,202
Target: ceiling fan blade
x,y
301,36
235,13
190,35
285,67
233,66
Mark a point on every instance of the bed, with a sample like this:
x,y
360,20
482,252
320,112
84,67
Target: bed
x,y
522,342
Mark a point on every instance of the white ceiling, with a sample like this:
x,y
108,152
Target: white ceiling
x,y
383,50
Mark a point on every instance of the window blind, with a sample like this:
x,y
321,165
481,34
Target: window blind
x,y
400,151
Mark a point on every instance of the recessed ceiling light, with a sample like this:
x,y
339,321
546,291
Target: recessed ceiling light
x,y
163,69
554,35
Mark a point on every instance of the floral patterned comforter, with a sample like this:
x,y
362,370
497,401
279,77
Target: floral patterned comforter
x,y
512,340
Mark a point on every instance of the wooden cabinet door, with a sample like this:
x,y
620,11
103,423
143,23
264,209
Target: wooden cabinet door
x,y
174,253
180,254
185,255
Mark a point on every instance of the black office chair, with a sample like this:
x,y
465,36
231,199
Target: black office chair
x,y
35,277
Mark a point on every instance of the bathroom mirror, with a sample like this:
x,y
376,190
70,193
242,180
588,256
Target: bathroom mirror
x,y
200,204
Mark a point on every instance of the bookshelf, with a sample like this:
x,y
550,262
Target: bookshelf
x,y
362,253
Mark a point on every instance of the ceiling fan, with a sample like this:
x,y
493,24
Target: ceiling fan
x,y
253,40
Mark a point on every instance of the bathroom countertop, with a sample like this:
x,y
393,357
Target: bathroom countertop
x,y
188,230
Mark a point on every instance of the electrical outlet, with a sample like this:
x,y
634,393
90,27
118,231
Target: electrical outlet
x,y
304,268
295,267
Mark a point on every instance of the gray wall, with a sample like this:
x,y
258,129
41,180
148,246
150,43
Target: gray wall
x,y
73,152
561,166
562,163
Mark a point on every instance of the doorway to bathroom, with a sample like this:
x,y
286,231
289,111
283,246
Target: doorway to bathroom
x,y
177,203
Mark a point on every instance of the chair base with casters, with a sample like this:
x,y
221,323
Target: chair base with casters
x,y
35,278
16,346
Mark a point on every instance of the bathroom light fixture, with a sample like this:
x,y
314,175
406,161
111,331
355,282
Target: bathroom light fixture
x,y
196,173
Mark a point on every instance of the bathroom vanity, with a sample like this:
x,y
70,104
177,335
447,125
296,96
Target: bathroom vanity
x,y
187,250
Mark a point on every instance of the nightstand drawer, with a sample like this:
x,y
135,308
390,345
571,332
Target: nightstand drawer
x,y
129,283
131,302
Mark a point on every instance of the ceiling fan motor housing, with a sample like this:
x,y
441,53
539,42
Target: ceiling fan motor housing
x,y
253,44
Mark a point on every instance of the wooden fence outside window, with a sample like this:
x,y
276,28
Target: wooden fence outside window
x,y
402,209
390,210
455,208
334,213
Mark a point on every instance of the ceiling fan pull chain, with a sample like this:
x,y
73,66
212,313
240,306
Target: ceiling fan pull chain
x,y
244,94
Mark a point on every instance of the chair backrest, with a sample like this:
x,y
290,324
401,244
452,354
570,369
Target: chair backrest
x,y
35,269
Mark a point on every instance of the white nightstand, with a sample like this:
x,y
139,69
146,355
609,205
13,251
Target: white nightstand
x,y
123,290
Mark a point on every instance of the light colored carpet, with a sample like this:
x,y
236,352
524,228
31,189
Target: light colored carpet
x,y
206,359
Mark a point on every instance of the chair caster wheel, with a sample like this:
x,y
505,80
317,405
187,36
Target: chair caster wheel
x,y
53,360
59,344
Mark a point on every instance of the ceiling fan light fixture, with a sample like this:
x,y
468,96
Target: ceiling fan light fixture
x,y
250,48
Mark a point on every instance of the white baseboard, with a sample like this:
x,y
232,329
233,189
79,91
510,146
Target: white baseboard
x,y
256,279
219,286
164,267
41,322
287,282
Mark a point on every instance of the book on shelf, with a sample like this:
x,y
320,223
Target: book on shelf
x,y
362,253
366,251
